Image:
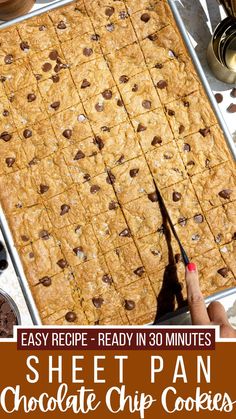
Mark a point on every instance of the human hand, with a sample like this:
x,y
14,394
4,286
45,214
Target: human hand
x,y
214,314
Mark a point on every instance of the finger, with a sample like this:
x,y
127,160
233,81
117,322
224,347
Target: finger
x,y
196,301
217,313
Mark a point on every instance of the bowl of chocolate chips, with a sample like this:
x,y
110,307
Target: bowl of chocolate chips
x,y
9,315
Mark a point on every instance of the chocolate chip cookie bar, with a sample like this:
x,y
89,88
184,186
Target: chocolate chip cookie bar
x,y
97,99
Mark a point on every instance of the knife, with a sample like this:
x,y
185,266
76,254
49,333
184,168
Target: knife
x,y
162,204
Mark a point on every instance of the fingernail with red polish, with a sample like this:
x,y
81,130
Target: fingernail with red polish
x,y
191,267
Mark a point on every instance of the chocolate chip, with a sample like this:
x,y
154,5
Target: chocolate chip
x,y
64,209
24,46
62,263
153,37
109,11
186,104
153,197
94,189
181,129
6,112
85,83
182,221
38,76
55,78
186,147
33,161
168,156
231,108
71,316
61,25
107,279
198,218
55,105
225,194
98,302
8,59
24,238
219,97
145,17
98,141
170,112
156,140
146,104
133,172
162,84
124,79
120,102
190,163
43,188
139,271
95,37
45,281
129,305
27,133
112,205
110,178
195,237
121,159
10,161
31,255
79,251
99,107
87,52
159,65
233,92
107,94
105,129
176,196
223,272
205,131
135,87
141,128
218,238
46,67
31,97
110,27
42,28
234,236
53,55
125,233
44,235
79,155
123,15
5,136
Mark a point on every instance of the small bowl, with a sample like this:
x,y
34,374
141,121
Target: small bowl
x,y
13,309
10,9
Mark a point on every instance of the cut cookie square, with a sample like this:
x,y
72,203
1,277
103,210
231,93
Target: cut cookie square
x,y
97,194
38,33
200,152
134,5
92,278
111,230
41,259
175,79
27,106
92,78
23,193
12,156
11,46
54,95
152,129
138,298
215,186
16,76
71,21
78,243
228,253
182,202
6,118
119,144
56,296
30,225
116,35
51,176
166,165
195,236
162,46
190,115
143,215
66,209
147,22
139,94
71,125
81,49
132,180
38,141
48,64
64,316
102,11
103,306
105,110
125,265
126,62
223,222
84,160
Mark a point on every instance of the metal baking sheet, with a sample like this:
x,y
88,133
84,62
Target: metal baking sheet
x,y
3,222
